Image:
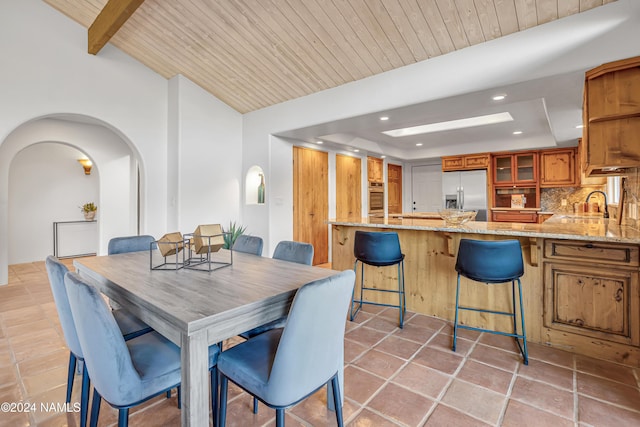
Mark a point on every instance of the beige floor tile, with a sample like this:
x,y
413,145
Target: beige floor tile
x,y
476,401
595,413
360,385
543,396
40,363
401,405
379,363
444,361
609,391
398,347
444,416
520,415
420,379
366,336
45,380
610,371
486,376
545,372
367,418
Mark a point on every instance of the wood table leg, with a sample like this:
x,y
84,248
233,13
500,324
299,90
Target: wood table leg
x,y
195,380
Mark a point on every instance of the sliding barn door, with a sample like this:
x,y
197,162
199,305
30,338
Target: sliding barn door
x,y
311,200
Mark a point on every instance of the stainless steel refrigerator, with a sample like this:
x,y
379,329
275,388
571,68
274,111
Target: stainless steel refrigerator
x,y
466,190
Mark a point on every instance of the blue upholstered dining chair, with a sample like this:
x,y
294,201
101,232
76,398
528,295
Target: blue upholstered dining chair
x,y
298,252
129,373
248,245
128,325
126,244
284,366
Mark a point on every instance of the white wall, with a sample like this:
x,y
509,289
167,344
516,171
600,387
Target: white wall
x,y
46,184
46,71
209,149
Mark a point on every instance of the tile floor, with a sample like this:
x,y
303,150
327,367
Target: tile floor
x,y
394,377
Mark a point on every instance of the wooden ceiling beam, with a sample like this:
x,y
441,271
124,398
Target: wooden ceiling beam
x,y
114,14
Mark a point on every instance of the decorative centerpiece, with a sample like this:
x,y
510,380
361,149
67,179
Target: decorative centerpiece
x,y
89,210
456,217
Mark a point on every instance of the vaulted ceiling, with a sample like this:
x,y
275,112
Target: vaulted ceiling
x,y
255,53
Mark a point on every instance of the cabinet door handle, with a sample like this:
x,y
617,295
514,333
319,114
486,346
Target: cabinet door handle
x,y
589,246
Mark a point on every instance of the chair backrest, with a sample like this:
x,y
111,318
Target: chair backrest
x,y
308,354
121,245
490,261
106,355
377,248
299,252
248,244
56,271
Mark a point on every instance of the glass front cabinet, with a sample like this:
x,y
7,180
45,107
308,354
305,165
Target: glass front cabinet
x,y
515,169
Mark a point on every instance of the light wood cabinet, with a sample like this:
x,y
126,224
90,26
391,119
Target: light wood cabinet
x,y
558,168
591,289
584,179
515,168
394,187
514,216
348,187
611,115
375,169
466,162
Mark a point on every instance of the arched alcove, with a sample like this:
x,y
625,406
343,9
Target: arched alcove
x,y
255,186
120,179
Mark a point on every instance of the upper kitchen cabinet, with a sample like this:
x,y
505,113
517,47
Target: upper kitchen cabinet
x,y
611,113
374,169
514,169
467,162
558,168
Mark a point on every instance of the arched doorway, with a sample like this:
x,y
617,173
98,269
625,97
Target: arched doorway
x,y
116,161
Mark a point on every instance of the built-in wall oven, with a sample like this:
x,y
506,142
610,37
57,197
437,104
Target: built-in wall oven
x,y
376,198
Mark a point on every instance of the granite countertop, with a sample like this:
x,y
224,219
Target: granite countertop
x,y
559,226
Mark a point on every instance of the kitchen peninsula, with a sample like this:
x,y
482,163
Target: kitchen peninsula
x,y
580,286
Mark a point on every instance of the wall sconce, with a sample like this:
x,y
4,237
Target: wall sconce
x,y
86,164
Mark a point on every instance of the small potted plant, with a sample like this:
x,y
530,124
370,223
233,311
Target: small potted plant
x,y
89,210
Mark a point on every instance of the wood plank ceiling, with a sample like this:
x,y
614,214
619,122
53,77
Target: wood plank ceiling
x,y
255,53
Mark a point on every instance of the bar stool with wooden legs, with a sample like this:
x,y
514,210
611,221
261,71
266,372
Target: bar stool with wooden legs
x,y
379,249
492,262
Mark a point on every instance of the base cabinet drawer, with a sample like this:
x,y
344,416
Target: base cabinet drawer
x,y
596,301
597,252
514,216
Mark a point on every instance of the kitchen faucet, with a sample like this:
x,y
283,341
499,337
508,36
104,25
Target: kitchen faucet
x,y
606,209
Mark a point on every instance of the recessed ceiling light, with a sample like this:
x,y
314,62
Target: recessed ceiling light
x,y
518,132
356,151
489,119
419,144
319,142
383,118
579,126
499,97
382,157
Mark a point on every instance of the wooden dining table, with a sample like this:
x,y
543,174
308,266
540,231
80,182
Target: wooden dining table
x,y
195,309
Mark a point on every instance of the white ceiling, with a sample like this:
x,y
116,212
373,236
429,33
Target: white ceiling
x,y
547,110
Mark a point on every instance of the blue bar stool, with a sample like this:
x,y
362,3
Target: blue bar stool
x,y
492,262
379,249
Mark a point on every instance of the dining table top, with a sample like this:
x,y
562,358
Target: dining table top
x,y
190,300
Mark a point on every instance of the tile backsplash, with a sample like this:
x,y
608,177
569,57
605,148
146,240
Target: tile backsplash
x,y
551,198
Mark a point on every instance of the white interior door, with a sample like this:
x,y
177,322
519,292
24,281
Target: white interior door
x,y
426,188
